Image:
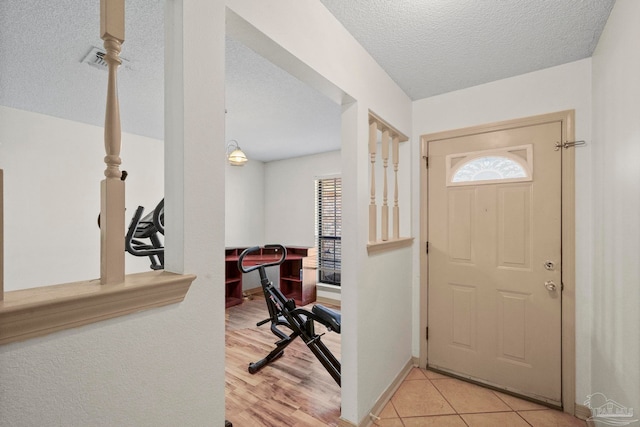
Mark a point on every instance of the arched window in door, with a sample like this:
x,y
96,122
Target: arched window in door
x,y
511,164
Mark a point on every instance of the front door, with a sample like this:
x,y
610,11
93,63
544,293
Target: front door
x,y
494,258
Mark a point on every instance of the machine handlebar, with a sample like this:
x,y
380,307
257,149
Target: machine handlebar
x,y
247,251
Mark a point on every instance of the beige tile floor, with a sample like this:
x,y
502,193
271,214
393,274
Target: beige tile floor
x,y
426,399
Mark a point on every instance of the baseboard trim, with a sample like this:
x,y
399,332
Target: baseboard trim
x,y
252,291
582,411
328,301
384,398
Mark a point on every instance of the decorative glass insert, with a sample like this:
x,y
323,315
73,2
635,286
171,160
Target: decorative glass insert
x,y
488,169
508,164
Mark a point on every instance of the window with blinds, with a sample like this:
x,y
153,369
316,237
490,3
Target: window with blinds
x,y
329,229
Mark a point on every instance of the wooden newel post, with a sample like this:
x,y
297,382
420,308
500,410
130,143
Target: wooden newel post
x,y
112,188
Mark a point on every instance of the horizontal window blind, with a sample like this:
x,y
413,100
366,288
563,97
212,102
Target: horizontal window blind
x,y
329,229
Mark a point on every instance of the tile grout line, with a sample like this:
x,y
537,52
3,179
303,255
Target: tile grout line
x,y
502,400
445,399
460,415
523,418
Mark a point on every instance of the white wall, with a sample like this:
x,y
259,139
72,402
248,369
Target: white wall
x,y
554,89
615,315
245,213
53,168
290,201
290,197
245,204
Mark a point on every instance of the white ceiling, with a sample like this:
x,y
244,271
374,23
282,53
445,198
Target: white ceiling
x,y
431,47
427,47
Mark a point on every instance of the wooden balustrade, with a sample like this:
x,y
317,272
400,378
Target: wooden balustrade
x,y
385,207
112,227
396,208
372,204
389,138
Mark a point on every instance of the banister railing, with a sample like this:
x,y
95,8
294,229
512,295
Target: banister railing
x,y
389,138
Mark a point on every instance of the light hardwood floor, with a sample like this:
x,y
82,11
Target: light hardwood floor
x,y
295,390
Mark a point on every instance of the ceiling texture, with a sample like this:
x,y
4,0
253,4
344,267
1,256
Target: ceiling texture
x,y
428,47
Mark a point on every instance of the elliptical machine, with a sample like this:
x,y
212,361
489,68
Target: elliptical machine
x,y
283,312
150,227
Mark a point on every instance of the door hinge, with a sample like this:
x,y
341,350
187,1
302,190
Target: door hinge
x,y
426,161
426,334
426,247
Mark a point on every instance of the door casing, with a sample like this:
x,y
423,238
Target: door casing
x,y
567,119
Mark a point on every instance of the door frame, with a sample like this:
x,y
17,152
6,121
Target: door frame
x,y
567,119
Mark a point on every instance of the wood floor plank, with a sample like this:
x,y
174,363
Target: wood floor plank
x,y
294,390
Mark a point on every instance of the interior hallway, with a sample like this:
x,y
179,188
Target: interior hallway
x,y
296,390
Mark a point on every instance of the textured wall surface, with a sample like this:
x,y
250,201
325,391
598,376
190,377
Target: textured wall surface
x,y
615,345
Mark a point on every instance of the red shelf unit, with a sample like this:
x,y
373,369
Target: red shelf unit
x,y
297,273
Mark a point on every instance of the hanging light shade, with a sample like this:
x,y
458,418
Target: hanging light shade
x,y
235,155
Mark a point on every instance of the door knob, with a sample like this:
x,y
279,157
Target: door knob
x,y
550,285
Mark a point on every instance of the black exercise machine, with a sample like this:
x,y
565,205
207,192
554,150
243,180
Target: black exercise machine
x,y
283,312
148,228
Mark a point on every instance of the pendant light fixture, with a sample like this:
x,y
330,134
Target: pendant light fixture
x,y
235,155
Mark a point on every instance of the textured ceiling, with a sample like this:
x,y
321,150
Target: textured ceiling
x,y
42,43
427,47
437,46
272,114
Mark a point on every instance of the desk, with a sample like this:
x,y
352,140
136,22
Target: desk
x,y
297,273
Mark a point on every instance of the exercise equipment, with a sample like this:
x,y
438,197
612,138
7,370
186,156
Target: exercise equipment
x,y
143,235
301,322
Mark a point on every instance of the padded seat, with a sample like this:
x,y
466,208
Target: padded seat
x,y
330,318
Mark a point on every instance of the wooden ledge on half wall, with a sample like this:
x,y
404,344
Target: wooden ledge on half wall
x,y
388,245
34,312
